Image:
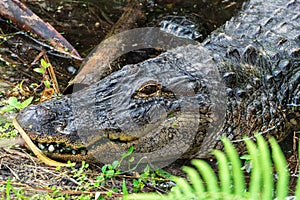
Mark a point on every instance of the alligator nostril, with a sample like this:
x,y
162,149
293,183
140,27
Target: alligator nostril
x,y
34,115
44,114
26,114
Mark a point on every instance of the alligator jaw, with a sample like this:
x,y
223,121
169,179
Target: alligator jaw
x,y
46,150
34,148
59,139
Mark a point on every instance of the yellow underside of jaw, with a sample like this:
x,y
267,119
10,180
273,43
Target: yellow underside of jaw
x,y
36,150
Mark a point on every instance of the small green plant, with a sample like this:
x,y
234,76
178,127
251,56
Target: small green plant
x,y
110,170
42,70
14,104
248,163
7,130
124,189
230,183
80,175
138,185
9,190
99,181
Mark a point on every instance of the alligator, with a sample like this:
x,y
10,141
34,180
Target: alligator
x,y
256,54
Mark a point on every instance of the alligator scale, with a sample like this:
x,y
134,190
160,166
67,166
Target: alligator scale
x,y
257,55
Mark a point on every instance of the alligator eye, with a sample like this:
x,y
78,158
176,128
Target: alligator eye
x,y
149,90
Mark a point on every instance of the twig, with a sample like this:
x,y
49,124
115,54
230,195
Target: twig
x,y
70,192
98,64
23,17
52,74
12,171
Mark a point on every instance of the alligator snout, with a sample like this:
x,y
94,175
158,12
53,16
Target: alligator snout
x,y
50,122
34,117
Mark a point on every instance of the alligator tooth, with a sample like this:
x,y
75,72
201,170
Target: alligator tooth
x,y
51,148
41,146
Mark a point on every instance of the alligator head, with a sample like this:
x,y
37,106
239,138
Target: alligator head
x,y
173,105
158,106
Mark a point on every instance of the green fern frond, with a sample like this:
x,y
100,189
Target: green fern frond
x,y
281,169
297,193
237,175
230,182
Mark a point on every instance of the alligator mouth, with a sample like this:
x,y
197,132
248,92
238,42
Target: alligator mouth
x,y
35,149
60,148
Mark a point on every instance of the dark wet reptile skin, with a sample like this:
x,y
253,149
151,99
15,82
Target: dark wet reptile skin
x,y
257,54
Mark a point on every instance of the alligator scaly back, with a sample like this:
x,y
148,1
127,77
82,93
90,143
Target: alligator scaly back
x,y
256,54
